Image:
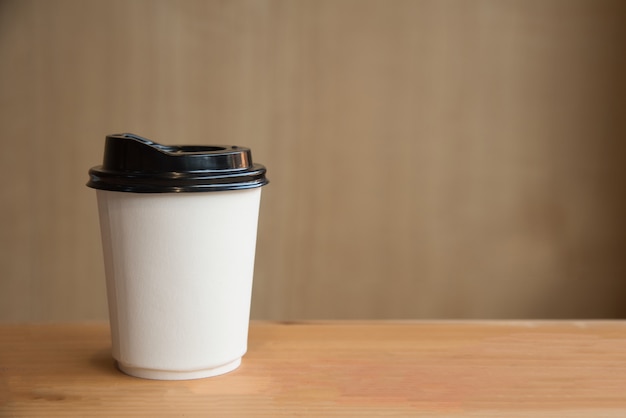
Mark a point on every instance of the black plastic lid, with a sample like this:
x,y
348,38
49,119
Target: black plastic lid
x,y
135,164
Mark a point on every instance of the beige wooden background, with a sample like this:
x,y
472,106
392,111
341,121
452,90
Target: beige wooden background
x,y
428,159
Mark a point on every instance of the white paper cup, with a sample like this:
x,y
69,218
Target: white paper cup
x,y
179,269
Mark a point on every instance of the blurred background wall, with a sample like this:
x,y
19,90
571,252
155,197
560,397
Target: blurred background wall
x,y
428,159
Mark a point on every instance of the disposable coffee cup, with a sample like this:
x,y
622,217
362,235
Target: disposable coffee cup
x,y
179,227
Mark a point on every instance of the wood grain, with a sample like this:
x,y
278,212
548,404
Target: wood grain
x,y
428,159
333,369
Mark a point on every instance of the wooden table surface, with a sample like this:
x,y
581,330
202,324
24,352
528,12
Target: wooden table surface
x,y
325,369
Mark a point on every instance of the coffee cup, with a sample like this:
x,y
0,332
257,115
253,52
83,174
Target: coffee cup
x,y
179,227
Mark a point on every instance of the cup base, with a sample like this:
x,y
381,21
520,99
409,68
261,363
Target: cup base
x,y
178,375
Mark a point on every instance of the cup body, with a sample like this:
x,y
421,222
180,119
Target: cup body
x,y
179,270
